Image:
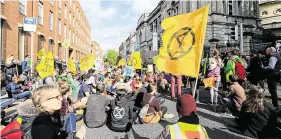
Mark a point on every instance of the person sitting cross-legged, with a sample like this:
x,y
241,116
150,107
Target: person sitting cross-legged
x,y
188,126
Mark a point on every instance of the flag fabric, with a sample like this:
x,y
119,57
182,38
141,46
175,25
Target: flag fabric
x,y
41,54
135,60
154,59
46,66
71,66
87,62
183,41
121,62
209,82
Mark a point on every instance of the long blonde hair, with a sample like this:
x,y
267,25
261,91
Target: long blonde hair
x,y
254,101
8,60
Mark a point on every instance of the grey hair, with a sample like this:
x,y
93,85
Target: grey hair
x,y
37,92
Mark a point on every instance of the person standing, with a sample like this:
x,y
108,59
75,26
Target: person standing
x,y
257,74
273,73
175,82
24,64
11,66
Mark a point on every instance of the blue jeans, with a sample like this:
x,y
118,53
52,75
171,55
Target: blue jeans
x,y
69,125
6,102
23,95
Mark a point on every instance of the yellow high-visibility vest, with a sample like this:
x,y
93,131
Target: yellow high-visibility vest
x,y
182,130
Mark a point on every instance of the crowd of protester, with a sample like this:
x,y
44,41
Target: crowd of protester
x,y
109,98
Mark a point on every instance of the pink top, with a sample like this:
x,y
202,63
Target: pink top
x,y
215,73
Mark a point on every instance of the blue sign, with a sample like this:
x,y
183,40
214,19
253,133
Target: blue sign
x,y
128,71
137,47
29,24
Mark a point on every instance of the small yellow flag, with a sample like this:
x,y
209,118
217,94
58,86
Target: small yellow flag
x,y
46,66
209,82
71,66
121,62
87,62
135,60
183,41
41,54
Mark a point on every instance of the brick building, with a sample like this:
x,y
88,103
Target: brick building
x,y
56,21
96,50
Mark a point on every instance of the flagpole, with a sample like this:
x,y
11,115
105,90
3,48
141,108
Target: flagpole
x,y
195,86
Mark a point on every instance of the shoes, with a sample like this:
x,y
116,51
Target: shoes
x,y
168,116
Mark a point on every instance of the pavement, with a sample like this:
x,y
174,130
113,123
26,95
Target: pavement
x,y
211,120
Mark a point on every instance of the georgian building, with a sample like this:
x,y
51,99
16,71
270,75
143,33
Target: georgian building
x,y
270,15
223,16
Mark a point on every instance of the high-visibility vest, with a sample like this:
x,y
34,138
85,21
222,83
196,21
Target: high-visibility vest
x,y
182,130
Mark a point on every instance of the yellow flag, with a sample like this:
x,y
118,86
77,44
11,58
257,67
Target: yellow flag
x,y
135,60
87,62
121,62
46,66
155,59
71,66
209,82
41,54
66,43
183,41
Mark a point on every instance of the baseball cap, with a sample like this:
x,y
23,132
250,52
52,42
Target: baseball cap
x,y
186,105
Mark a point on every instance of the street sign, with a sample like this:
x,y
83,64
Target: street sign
x,y
29,24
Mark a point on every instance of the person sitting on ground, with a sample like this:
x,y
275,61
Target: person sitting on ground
x,y
162,84
237,95
155,111
16,91
95,114
47,101
257,118
188,125
122,115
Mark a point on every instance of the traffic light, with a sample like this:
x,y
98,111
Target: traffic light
x,y
234,32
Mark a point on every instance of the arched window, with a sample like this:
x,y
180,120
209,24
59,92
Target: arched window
x,y
264,12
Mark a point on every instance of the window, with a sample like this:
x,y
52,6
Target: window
x,y
51,21
65,11
73,37
59,26
69,34
51,2
22,5
155,25
60,6
70,3
151,27
51,43
64,31
264,13
70,18
230,7
40,13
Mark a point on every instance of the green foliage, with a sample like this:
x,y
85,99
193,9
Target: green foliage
x,y
111,57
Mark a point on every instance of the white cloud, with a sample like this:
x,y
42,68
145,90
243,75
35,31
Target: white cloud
x,y
108,26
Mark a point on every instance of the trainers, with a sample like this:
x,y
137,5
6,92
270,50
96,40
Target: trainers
x,y
168,116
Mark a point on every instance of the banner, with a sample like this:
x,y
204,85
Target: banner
x,y
87,62
128,71
135,60
71,66
183,41
46,66
99,65
209,82
121,62
41,54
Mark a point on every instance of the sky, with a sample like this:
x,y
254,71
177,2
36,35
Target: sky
x,y
111,21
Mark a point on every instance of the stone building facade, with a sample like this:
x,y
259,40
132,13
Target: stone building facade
x,y
270,15
96,50
223,16
56,21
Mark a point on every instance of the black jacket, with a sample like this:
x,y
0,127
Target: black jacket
x,y
43,127
255,69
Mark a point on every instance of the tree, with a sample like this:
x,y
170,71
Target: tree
x,y
111,57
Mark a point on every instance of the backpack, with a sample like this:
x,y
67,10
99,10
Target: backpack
x,y
144,109
240,71
12,131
